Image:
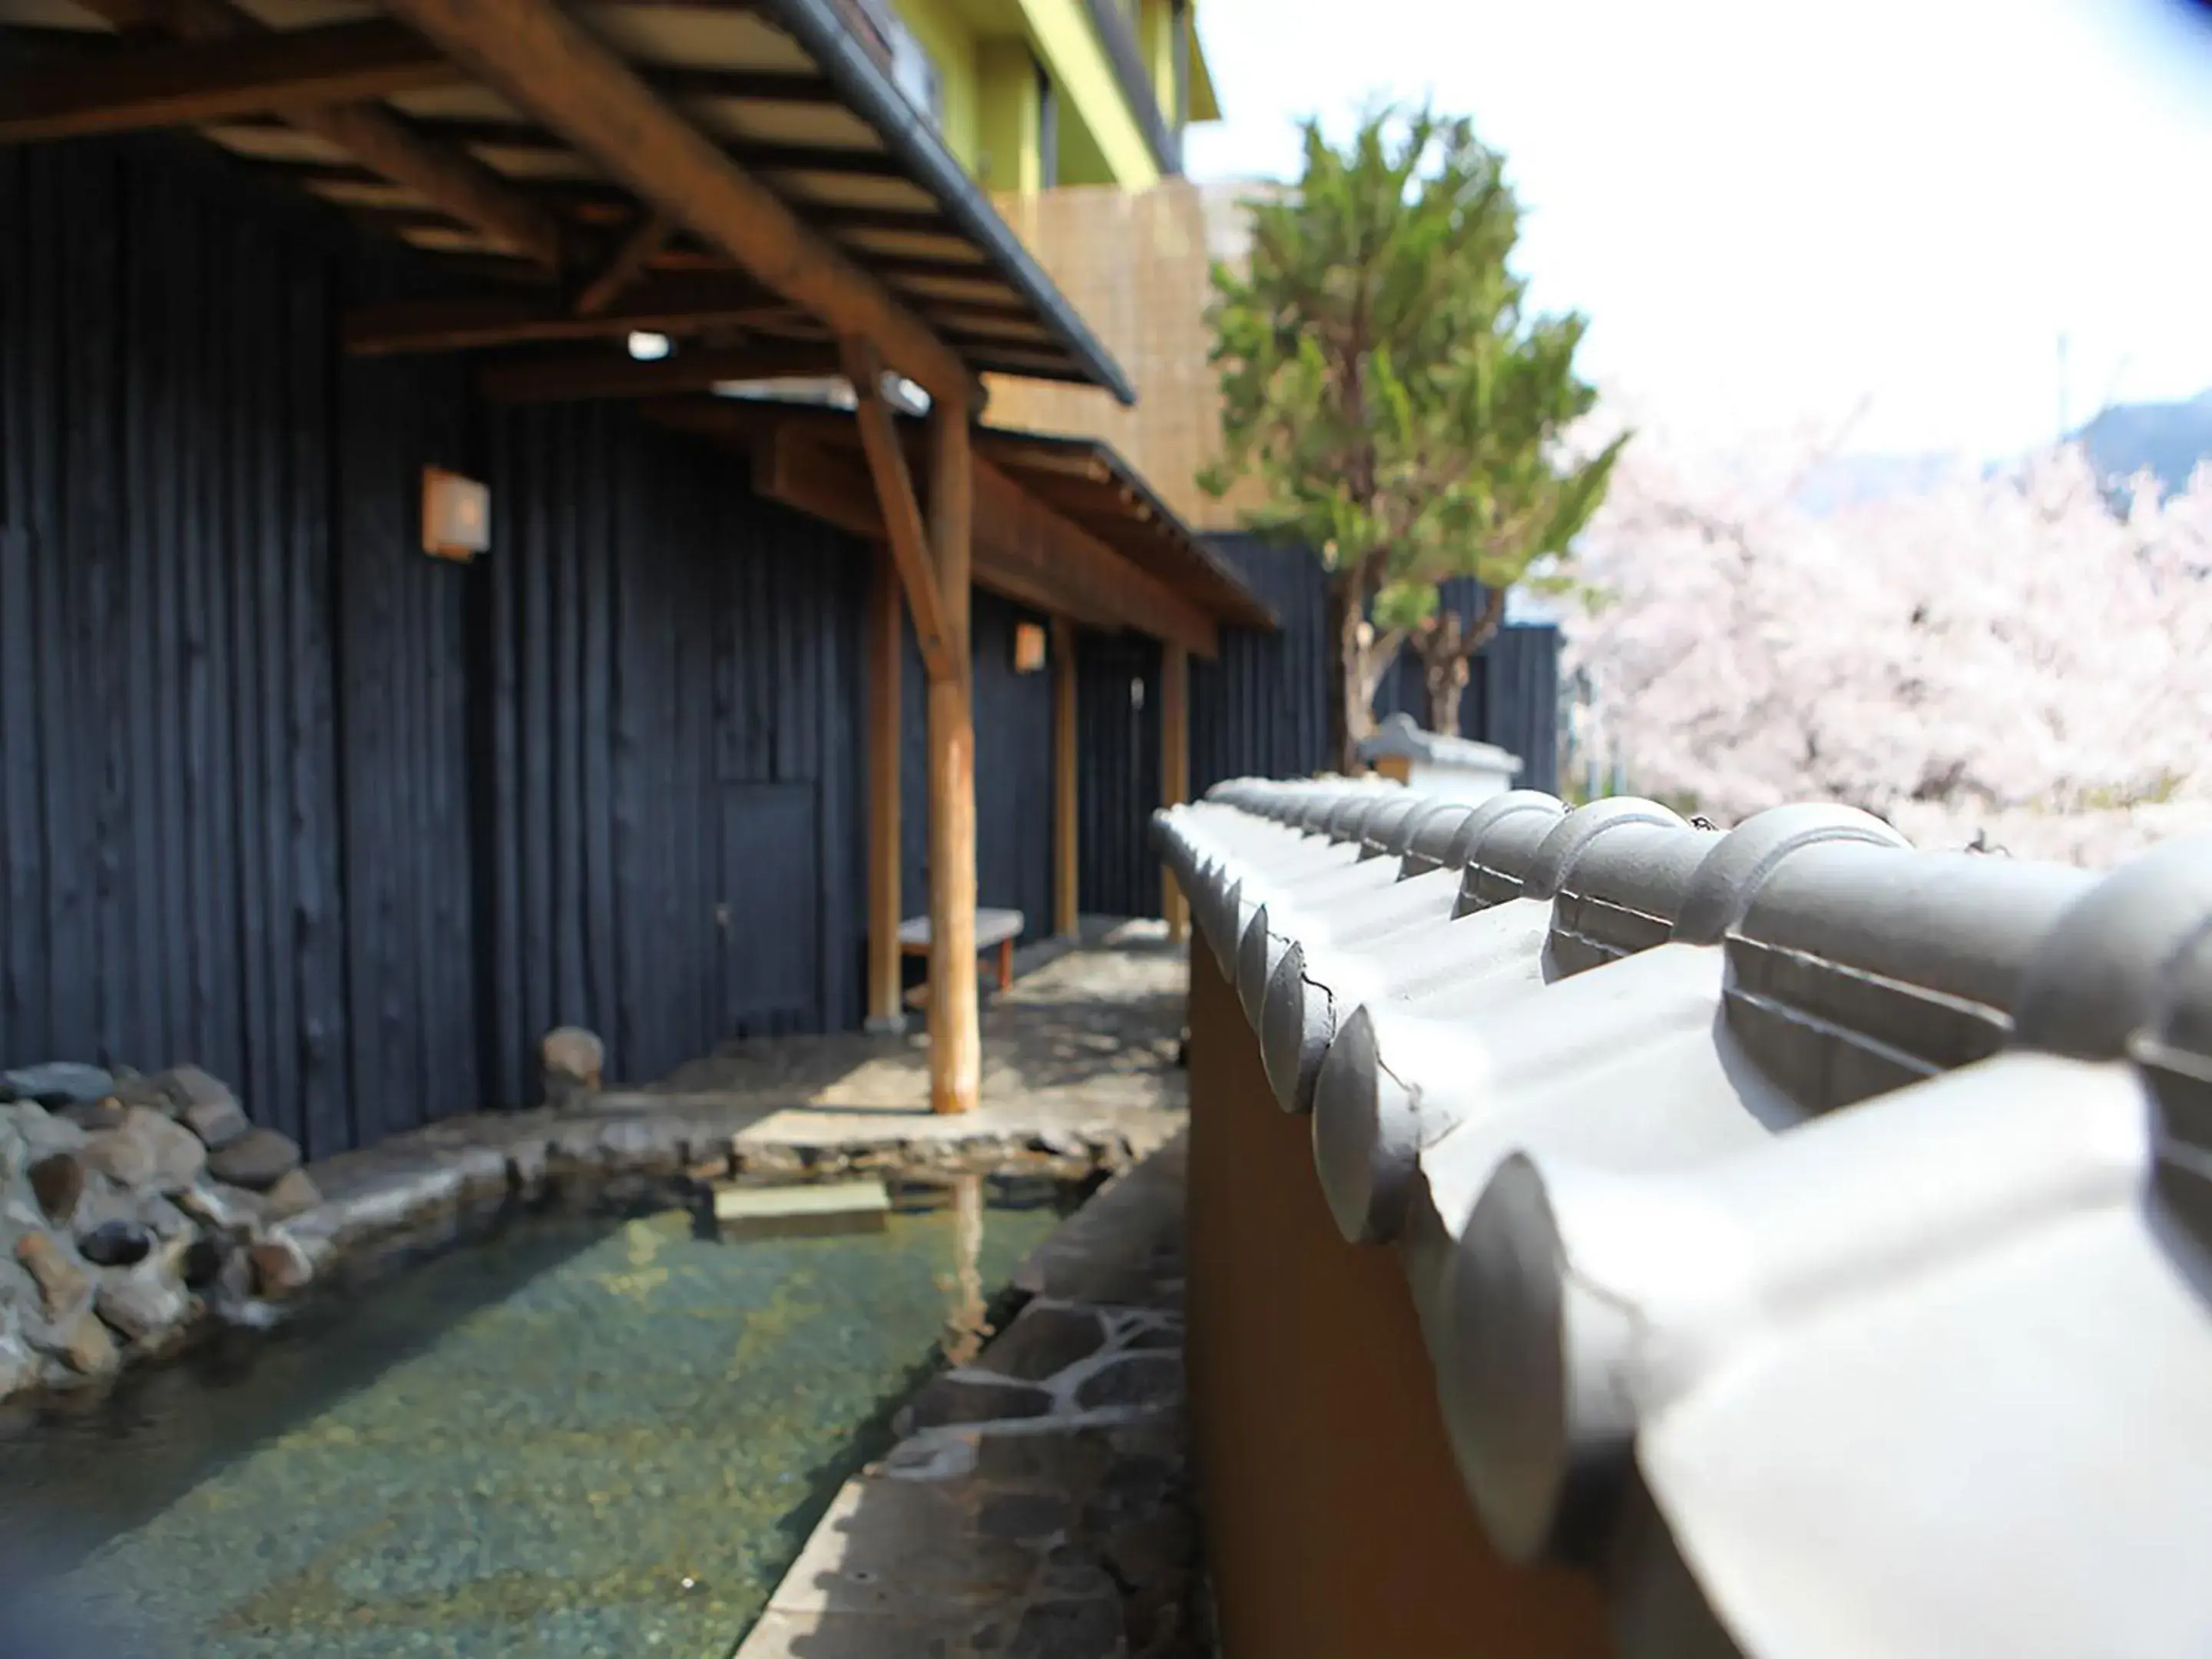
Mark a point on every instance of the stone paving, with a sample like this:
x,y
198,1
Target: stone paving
x,y
1040,1503
1079,1076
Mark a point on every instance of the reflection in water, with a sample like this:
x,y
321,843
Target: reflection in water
x,y
967,1328
579,1437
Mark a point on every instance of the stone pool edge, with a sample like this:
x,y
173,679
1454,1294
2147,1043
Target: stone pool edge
x,y
426,1187
1039,1499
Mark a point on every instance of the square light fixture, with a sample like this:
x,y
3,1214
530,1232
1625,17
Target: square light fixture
x,y
456,515
1029,648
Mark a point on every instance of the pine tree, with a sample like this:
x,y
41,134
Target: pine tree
x,y
1378,380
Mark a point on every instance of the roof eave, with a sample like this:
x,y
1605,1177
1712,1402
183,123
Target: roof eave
x,y
823,34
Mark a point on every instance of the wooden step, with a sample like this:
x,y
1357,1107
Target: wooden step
x,y
816,1210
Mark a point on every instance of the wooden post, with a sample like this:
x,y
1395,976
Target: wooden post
x,y
956,1055
1174,768
886,1013
1064,868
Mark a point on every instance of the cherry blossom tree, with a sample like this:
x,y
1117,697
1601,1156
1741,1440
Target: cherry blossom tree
x,y
2017,659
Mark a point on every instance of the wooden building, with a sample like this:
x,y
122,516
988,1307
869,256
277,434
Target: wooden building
x,y
734,685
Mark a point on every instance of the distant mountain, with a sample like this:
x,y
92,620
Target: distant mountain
x,y
2167,439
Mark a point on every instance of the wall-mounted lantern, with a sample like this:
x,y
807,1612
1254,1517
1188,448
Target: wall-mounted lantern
x,y
1029,648
456,515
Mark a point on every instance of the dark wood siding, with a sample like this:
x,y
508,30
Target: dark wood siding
x,y
1261,710
168,747
673,691
1117,726
347,825
1013,773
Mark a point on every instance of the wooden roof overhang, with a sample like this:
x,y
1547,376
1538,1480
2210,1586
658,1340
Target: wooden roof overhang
x,y
1088,542
742,175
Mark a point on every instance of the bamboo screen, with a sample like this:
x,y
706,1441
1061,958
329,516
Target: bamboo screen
x,y
1134,264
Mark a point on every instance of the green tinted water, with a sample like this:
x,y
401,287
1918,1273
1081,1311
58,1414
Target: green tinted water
x,y
578,1437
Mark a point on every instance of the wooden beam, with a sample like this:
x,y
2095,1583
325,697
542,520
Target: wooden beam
x,y
823,483
628,263
1065,866
746,85
546,63
1141,599
173,85
955,1050
1015,527
526,137
672,305
572,376
832,485
909,539
886,611
455,183
1174,770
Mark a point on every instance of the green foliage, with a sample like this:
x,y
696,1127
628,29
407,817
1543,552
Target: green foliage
x,y
1381,377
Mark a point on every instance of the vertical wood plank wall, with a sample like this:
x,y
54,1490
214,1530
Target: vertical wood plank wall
x,y
350,826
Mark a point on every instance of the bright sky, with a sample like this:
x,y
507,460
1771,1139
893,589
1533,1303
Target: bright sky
x,y
1773,210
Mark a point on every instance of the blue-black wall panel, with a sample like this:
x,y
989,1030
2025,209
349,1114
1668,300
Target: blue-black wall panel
x,y
1013,773
170,838
1117,724
1262,709
664,646
405,714
347,825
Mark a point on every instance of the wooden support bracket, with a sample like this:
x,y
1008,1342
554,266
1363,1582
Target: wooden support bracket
x,y
902,510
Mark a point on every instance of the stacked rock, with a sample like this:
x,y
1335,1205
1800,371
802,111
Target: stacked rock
x,y
132,1208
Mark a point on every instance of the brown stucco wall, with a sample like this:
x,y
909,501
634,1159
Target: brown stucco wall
x,y
1336,1527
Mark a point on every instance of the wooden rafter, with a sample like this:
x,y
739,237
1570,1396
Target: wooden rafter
x,y
628,262
542,61
672,305
177,84
525,137
570,376
902,520
832,485
456,184
1016,530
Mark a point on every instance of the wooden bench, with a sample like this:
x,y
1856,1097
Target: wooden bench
x,y
993,928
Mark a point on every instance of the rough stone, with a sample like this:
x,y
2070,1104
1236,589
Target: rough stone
x,y
61,1282
293,1194
201,1264
1024,1515
258,1161
42,1132
188,1086
86,1348
19,1366
93,1115
143,1304
57,1083
161,1217
115,1244
280,1267
970,1399
1088,1629
570,1062
229,1210
1044,1341
57,1183
219,1122
147,1150
1067,1460
1140,1379
133,1089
